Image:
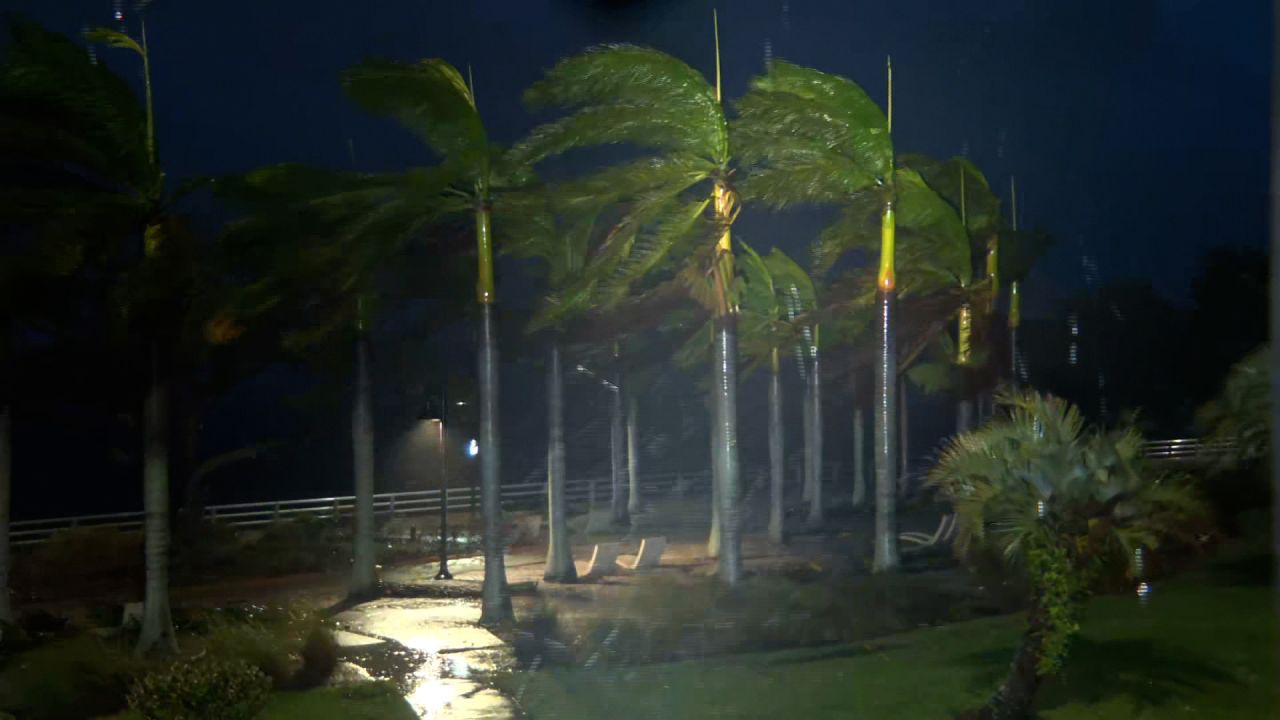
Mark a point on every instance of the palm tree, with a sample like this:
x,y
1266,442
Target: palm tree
x,y
372,215
623,94
810,137
776,290
1055,500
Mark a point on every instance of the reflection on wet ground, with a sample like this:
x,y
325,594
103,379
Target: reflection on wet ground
x,y
433,650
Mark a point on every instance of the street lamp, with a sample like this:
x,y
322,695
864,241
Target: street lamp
x,y
434,413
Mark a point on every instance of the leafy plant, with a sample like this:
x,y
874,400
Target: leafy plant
x,y
1060,503
205,688
69,680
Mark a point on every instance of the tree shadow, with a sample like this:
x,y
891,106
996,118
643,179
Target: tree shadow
x,y
835,653
1148,673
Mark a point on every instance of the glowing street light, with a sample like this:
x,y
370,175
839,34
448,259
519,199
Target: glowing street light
x,y
434,413
473,448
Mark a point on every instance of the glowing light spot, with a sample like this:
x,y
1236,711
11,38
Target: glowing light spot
x,y
473,448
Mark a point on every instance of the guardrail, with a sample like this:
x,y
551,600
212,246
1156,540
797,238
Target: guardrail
x,y
423,502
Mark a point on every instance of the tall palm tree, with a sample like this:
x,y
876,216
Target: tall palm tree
x,y
373,214
810,137
776,290
1056,501
666,201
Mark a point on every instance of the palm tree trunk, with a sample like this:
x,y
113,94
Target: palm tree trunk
x,y
859,462
815,492
560,567
617,507
364,581
904,431
726,432
495,600
1015,319
964,415
806,488
713,537
776,518
633,459
886,530
157,620
1015,698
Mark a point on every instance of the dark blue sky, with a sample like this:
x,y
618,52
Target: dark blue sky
x,y
1137,129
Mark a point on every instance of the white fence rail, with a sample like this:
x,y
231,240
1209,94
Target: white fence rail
x,y
423,502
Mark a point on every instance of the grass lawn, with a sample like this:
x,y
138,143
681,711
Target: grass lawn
x,y
360,703
1203,647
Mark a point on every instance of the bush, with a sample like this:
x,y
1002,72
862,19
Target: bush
x,y
69,680
294,649
205,688
302,544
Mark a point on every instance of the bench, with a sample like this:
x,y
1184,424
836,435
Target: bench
x,y
650,554
604,560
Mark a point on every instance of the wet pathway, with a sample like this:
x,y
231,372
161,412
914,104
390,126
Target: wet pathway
x,y
433,649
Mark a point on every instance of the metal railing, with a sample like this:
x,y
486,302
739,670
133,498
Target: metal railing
x,y
1187,449
412,502
425,502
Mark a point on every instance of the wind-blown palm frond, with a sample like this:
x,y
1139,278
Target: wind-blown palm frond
x,y
627,94
1039,478
981,206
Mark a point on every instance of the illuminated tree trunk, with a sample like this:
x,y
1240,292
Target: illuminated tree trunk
x,y
495,598
633,459
617,467
725,390
364,580
713,537
964,416
1015,699
560,567
806,493
157,619
815,405
885,556
776,517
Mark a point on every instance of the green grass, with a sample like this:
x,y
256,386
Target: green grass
x,y
377,701
1201,648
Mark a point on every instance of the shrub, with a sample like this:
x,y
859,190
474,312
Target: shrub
x,y
294,649
80,560
205,688
69,680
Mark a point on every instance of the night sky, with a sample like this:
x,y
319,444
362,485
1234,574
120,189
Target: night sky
x,y
1138,130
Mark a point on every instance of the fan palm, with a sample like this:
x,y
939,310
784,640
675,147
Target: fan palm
x,y
432,100
1058,502
667,202
810,137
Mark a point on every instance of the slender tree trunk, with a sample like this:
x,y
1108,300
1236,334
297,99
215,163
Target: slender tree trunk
x,y
886,531
964,416
495,600
776,516
633,459
364,581
726,390
713,537
157,620
1015,699
904,431
617,450
806,492
859,461
815,492
1014,377
560,567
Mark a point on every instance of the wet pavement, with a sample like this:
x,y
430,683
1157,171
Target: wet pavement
x,y
434,651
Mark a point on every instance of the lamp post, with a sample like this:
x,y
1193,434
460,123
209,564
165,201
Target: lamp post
x,y
435,414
